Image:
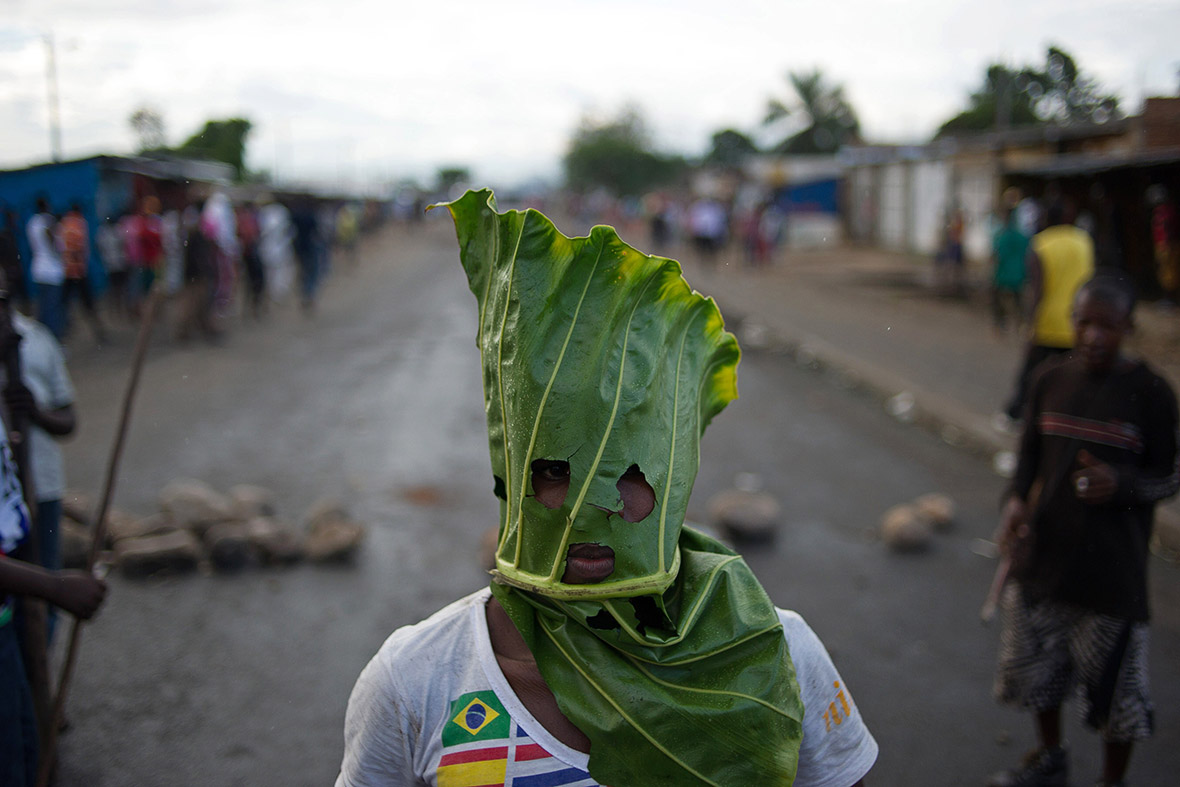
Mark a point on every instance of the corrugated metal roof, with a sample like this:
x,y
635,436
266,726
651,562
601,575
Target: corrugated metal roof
x,y
158,168
1068,164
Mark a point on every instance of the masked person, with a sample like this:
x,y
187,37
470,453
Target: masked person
x,y
614,646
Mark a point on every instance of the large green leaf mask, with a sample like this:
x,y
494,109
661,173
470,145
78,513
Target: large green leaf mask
x,y
675,666
600,356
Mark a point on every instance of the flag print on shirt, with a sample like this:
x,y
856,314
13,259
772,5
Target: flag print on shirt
x,y
483,747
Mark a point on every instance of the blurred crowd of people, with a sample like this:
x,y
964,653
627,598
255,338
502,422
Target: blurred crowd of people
x,y
751,221
1020,216
211,257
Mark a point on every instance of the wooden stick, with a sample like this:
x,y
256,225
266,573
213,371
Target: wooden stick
x,y
35,612
141,344
988,613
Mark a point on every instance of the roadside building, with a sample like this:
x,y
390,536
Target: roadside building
x,y
898,197
105,186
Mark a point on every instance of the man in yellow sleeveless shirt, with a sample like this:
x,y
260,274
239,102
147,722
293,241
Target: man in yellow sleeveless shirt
x,y
1060,260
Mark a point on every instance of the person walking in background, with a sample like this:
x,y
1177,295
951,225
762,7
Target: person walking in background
x,y
220,225
325,217
144,252
307,242
1165,238
129,226
47,270
172,250
707,225
1098,453
74,240
950,262
248,238
347,230
1060,259
275,235
112,247
1009,249
200,276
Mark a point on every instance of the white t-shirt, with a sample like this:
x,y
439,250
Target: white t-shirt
x,y
43,371
46,267
433,708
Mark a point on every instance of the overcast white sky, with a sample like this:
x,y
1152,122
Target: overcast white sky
x,y
369,89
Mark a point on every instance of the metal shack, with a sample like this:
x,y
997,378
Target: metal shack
x,y
104,187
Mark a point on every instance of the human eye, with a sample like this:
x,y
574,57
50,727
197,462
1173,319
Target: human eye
x,y
551,481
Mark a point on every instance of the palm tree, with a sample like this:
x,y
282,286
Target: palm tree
x,y
831,120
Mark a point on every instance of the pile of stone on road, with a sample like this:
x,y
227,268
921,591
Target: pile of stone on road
x,y
910,527
198,526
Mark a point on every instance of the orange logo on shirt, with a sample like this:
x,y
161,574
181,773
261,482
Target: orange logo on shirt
x,y
833,714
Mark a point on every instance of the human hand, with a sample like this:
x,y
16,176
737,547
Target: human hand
x,y
1096,481
1012,531
78,593
19,401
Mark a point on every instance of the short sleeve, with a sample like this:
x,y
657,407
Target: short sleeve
x,y
837,749
377,736
61,389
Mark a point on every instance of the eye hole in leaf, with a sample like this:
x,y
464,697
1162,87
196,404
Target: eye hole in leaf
x,y
637,495
551,481
499,488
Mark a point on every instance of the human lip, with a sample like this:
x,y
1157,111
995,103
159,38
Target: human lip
x,y
587,564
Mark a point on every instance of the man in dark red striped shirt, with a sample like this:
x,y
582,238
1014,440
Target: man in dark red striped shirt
x,y
1098,453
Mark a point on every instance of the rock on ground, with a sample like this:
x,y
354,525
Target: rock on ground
x,y
938,508
903,529
745,516
228,546
177,551
124,526
75,544
248,501
194,504
332,534
275,542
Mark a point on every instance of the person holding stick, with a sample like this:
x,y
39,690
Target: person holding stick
x,y
77,592
1099,450
42,399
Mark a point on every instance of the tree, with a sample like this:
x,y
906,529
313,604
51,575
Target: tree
x,y
148,125
830,121
220,140
1055,93
730,148
618,155
448,177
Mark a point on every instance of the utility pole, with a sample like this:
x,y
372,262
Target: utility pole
x,y
54,112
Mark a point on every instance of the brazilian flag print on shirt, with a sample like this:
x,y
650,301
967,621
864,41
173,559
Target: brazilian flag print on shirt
x,y
483,747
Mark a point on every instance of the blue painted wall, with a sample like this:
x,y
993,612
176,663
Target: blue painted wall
x,y
819,197
84,182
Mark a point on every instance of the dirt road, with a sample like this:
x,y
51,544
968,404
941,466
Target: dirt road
x,y
243,679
